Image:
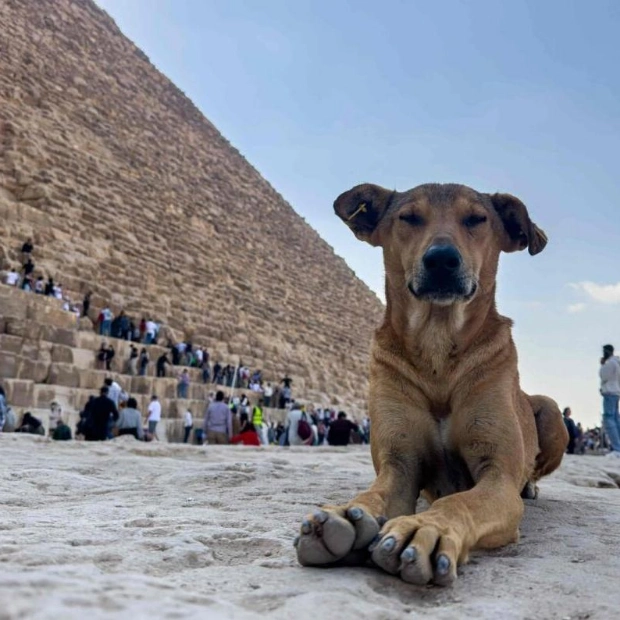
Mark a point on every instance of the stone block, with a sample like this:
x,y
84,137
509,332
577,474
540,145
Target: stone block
x,y
10,365
34,370
10,344
62,353
64,375
51,316
19,393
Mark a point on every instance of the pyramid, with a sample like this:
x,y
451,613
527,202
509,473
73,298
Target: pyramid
x,y
129,191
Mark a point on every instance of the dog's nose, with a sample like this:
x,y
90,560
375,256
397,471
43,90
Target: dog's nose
x,y
442,259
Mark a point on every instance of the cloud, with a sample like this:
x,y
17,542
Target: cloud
x,y
603,293
575,308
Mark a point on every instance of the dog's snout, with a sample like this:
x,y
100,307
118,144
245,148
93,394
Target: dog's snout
x,y
442,259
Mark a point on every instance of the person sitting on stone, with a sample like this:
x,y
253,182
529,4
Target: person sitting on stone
x,y
58,291
39,286
31,425
339,433
49,287
247,434
27,284
11,278
130,420
62,432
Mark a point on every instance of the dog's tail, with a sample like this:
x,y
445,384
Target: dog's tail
x,y
552,434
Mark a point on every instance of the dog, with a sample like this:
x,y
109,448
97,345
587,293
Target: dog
x,y
448,418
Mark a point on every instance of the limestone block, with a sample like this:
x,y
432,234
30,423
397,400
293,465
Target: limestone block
x,y
90,379
141,385
10,344
64,374
84,358
34,370
22,328
50,316
10,365
62,353
19,393
12,304
85,324
44,395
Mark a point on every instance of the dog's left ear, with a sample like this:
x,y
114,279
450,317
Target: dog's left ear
x,y
362,208
521,232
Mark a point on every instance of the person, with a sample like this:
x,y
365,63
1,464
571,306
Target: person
x,y
28,268
114,391
86,303
27,250
3,408
162,362
267,395
105,326
293,417
132,364
31,425
154,417
610,391
109,356
12,278
183,384
257,419
339,433
218,421
247,434
572,430
150,331
54,419
39,286
62,432
101,355
130,420
101,411
188,424
49,287
144,362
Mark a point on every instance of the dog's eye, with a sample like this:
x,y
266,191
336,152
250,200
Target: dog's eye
x,y
474,220
412,219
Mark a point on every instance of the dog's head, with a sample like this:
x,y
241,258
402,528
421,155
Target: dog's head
x,y
442,242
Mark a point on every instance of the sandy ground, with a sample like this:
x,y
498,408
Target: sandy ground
x,y
129,530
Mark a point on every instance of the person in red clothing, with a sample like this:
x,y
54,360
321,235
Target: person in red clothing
x,y
247,435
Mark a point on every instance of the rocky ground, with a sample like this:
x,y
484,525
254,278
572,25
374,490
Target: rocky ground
x,y
129,530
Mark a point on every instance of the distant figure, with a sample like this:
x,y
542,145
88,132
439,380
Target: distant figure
x,y
114,391
31,425
299,429
218,421
55,415
132,364
247,435
39,286
610,390
183,384
572,430
162,362
86,303
105,322
4,408
154,416
188,424
101,412
62,432
267,395
150,331
11,278
144,362
130,420
109,356
49,287
27,250
339,433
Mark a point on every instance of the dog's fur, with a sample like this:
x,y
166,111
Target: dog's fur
x,y
448,418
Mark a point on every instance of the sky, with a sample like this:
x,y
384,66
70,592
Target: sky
x,y
515,97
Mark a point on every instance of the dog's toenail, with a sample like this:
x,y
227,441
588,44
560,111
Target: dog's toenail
x,y
408,555
321,516
443,565
306,528
295,541
388,544
356,513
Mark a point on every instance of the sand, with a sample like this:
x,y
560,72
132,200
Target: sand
x,y
131,530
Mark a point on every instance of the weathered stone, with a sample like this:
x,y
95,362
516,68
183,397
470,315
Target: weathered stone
x,y
62,353
10,365
64,374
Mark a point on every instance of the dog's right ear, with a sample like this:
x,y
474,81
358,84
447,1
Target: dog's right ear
x,y
362,208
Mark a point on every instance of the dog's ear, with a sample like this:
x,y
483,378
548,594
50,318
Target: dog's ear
x,y
362,208
521,232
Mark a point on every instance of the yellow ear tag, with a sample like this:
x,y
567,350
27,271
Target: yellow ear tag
x,y
361,209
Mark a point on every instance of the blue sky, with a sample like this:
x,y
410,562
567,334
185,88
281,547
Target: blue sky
x,y
519,97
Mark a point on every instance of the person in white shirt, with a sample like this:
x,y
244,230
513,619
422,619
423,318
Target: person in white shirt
x,y
188,424
610,391
114,391
151,330
154,416
268,394
12,278
293,416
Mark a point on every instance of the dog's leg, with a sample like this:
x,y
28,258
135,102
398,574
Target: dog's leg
x,y
343,533
430,545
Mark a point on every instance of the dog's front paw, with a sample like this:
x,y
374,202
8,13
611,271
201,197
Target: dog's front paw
x,y
420,548
336,534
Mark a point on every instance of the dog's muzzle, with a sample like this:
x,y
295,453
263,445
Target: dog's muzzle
x,y
441,277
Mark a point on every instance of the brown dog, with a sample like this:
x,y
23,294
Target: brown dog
x,y
448,418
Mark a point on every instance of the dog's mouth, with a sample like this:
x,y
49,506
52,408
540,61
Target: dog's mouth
x,y
443,292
